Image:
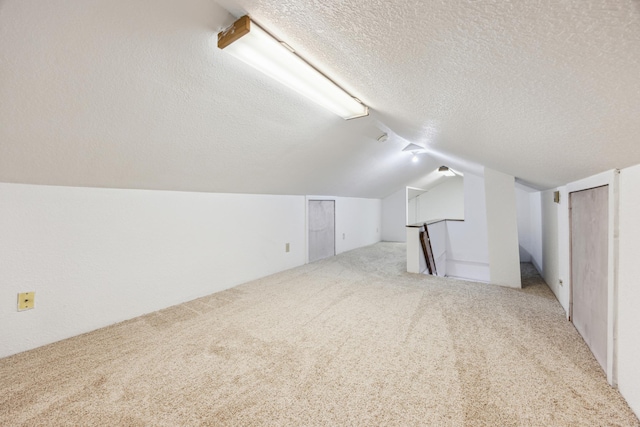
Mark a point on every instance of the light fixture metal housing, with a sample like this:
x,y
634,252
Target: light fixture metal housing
x,y
251,44
444,170
413,147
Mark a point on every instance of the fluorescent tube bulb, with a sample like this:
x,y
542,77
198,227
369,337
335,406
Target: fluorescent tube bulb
x,y
258,49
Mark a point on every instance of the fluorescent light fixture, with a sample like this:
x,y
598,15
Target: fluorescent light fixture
x,y
251,44
446,171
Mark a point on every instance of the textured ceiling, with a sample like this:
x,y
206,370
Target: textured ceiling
x,y
134,94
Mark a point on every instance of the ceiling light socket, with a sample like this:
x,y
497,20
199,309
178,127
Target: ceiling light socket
x,y
383,138
444,170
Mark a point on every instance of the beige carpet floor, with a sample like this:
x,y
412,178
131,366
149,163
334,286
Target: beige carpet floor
x,y
352,340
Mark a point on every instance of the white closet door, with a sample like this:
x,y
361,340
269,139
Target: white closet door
x,y
589,267
321,229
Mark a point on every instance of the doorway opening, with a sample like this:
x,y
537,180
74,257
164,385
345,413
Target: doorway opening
x,y
588,299
322,233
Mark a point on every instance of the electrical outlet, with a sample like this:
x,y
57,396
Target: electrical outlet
x,y
286,247
26,300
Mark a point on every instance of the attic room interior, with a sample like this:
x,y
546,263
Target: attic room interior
x,y
196,233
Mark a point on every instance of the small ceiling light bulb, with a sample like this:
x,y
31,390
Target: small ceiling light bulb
x,y
414,159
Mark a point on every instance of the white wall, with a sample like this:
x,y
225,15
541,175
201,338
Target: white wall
x,y
95,257
444,201
529,225
535,215
629,288
438,238
555,244
502,229
416,262
99,256
394,217
523,209
412,211
529,213
564,242
550,258
467,248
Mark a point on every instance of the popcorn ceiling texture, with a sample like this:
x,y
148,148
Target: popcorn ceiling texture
x,y
136,95
546,90
350,340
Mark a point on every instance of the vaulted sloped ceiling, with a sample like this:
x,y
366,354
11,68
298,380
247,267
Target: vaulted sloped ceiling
x,y
135,93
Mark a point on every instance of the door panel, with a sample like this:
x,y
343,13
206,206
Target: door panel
x,y
589,267
321,229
